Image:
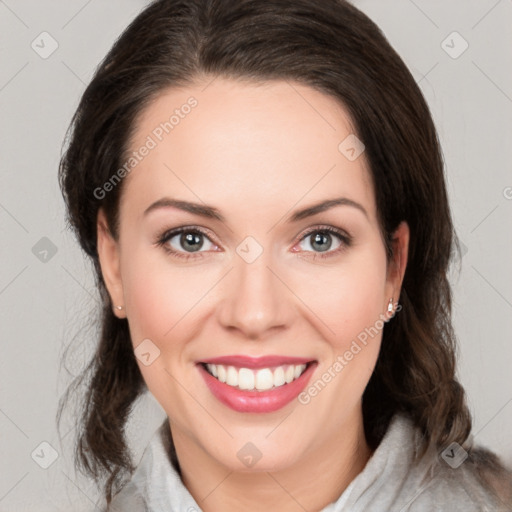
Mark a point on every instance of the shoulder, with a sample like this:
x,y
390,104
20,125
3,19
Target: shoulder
x,y
466,481
133,496
407,478
130,499
156,483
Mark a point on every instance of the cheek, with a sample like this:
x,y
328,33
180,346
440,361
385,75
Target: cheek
x,y
348,298
351,306
160,297
162,306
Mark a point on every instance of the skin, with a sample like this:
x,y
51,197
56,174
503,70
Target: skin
x,y
257,153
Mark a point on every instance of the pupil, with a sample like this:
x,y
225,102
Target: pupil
x,y
319,239
189,239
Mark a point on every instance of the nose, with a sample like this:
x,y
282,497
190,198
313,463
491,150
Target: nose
x,y
255,299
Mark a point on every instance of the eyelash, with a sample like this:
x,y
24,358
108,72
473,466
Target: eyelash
x,y
345,239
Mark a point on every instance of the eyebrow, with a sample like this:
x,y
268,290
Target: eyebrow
x,y
326,205
195,208
213,213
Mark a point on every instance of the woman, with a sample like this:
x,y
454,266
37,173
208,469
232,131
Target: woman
x,y
261,190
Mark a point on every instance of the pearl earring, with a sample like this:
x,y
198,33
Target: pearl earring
x,y
119,308
390,305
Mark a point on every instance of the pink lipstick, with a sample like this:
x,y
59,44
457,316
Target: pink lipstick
x,y
256,384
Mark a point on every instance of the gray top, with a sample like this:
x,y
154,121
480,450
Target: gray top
x,y
389,482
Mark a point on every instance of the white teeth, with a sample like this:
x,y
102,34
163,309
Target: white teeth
x,y
259,380
212,369
232,376
245,379
279,376
221,372
298,370
289,374
264,379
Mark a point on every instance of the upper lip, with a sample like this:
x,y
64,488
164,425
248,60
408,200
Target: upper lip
x,y
242,361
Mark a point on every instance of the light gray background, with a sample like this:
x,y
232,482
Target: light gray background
x,y
44,304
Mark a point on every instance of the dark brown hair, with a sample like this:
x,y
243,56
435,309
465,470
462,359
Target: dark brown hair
x,y
333,47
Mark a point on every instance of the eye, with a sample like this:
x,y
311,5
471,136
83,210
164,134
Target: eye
x,y
325,239
189,242
185,241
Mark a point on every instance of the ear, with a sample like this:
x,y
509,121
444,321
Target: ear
x,y
397,265
108,253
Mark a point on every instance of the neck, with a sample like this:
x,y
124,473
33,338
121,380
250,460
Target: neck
x,y
337,460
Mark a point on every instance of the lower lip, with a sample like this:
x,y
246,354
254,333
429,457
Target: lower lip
x,y
256,401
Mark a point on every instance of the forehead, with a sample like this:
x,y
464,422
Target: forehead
x,y
242,143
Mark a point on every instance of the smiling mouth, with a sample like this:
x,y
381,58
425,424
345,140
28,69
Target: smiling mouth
x,y
262,379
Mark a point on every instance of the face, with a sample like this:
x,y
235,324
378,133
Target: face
x,y
251,285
